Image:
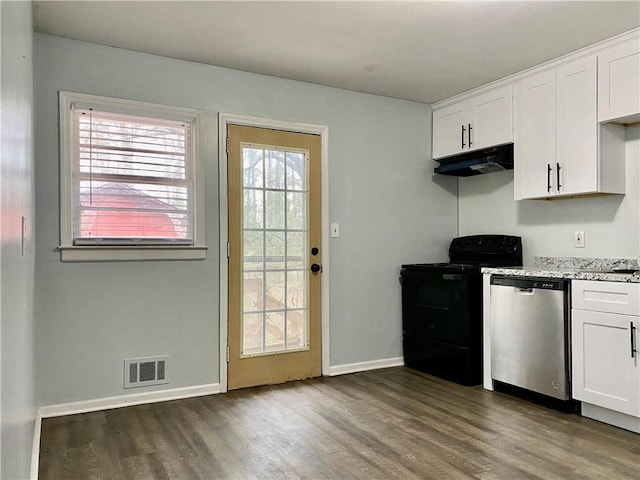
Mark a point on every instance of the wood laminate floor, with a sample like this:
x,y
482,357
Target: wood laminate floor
x,y
392,423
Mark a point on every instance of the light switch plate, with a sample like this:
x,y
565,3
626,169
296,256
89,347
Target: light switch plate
x,y
335,230
579,239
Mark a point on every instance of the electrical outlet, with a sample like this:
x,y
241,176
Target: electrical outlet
x,y
579,239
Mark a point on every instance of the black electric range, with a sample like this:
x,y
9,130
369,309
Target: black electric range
x,y
442,307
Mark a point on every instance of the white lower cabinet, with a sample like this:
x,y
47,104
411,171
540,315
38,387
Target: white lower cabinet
x,y
604,372
605,364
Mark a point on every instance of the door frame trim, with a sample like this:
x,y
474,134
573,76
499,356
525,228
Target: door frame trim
x,y
224,120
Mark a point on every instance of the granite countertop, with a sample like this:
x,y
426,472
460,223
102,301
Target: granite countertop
x,y
574,269
558,272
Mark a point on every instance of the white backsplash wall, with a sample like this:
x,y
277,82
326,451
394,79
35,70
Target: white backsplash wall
x,y
547,228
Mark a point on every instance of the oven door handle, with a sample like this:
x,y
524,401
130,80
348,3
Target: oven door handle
x,y
450,276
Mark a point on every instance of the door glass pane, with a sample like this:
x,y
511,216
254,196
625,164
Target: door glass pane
x,y
274,337
253,211
274,243
275,210
253,167
296,246
296,333
274,250
274,173
295,289
274,290
253,341
253,250
295,171
253,290
296,210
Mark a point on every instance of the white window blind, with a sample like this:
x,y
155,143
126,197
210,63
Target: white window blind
x,y
132,179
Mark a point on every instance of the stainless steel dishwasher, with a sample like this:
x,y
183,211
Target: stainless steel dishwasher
x,y
530,334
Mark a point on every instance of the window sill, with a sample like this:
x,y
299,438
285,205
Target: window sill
x,y
131,254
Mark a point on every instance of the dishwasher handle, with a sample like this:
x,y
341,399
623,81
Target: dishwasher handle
x,y
523,291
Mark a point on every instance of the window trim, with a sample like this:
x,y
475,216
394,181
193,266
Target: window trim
x,y
76,253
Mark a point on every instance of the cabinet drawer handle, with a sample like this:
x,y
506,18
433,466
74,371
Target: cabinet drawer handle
x,y
462,136
470,142
548,177
558,167
633,340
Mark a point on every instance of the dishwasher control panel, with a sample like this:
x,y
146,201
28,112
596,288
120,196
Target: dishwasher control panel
x,y
530,282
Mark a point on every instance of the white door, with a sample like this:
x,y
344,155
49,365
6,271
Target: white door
x,y
491,118
449,131
535,136
576,167
605,371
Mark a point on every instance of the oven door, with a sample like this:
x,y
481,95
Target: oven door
x,y
441,306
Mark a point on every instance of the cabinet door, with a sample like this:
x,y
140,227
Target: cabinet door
x,y
604,371
449,131
490,119
618,80
535,136
576,166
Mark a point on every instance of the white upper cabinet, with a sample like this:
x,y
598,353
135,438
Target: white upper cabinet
x,y
576,128
479,122
491,118
535,135
560,150
449,131
619,84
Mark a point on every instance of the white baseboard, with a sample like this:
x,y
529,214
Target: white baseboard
x,y
35,447
363,366
127,400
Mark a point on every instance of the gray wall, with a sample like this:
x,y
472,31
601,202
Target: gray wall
x,y
91,316
17,405
547,228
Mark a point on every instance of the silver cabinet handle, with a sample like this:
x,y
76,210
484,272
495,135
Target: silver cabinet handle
x,y
633,340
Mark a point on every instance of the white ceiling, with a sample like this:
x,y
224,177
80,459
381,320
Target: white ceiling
x,y
422,51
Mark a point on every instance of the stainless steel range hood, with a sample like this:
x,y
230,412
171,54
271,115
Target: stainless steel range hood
x,y
478,162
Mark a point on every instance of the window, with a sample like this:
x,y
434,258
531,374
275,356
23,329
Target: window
x,y
130,180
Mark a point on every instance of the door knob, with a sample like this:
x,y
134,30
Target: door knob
x,y
315,268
